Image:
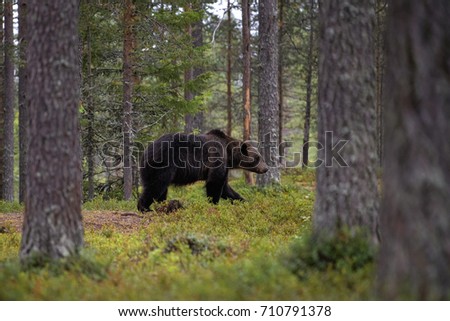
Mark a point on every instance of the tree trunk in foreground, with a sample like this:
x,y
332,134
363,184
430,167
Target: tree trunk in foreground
x,y
90,111
2,104
414,258
8,152
347,195
379,57
23,107
52,225
280,81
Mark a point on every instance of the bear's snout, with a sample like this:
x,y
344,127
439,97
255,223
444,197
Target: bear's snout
x,y
262,168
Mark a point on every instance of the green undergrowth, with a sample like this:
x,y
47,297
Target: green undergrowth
x,y
241,251
10,207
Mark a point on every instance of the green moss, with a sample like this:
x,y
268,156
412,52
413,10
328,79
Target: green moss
x,y
10,207
201,252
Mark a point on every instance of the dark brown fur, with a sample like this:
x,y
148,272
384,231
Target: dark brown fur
x,y
182,159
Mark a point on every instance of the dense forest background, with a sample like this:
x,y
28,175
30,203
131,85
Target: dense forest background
x,y
186,62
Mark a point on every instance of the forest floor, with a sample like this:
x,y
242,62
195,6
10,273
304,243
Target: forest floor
x,y
242,251
121,221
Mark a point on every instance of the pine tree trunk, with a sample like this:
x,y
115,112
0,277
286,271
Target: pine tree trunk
x,y
23,107
347,195
197,34
90,118
229,94
196,121
2,102
268,95
52,222
379,56
188,76
246,79
414,258
309,72
127,125
8,152
280,80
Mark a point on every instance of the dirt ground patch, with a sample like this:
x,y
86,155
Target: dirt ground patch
x,y
92,220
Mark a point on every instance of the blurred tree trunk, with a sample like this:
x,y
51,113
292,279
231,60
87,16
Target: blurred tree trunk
x,y
8,151
268,95
347,195
414,258
379,56
246,79
90,117
2,102
309,74
128,80
23,107
52,225
229,94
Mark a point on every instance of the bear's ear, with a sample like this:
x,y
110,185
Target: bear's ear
x,y
244,149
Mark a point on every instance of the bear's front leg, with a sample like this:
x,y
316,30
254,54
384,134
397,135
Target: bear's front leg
x,y
214,191
215,183
229,193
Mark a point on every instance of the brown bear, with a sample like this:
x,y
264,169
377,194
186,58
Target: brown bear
x,y
182,159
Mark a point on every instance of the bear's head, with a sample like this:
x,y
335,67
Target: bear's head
x,y
240,155
247,157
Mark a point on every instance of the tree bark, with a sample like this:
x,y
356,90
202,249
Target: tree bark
x,y
268,99
52,225
23,108
195,121
246,79
379,56
90,110
347,195
229,94
2,103
414,258
8,152
197,34
127,124
280,79
188,76
309,73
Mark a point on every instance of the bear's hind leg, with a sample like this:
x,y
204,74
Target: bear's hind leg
x,y
151,194
163,196
145,200
155,189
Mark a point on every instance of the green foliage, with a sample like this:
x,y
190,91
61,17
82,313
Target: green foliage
x,y
100,204
85,264
56,275
347,252
201,252
10,207
162,51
